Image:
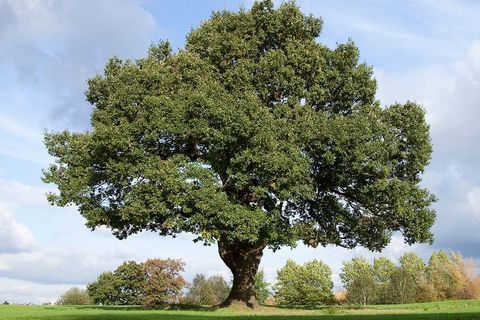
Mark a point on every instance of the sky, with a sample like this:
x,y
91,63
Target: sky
x,y
425,51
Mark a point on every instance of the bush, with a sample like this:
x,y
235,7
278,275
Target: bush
x,y
341,297
310,284
74,296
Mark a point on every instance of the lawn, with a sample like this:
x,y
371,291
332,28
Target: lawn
x,y
436,310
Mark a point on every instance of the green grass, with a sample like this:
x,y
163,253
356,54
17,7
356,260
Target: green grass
x,y
436,310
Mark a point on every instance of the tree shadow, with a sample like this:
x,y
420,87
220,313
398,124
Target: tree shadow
x,y
172,316
179,307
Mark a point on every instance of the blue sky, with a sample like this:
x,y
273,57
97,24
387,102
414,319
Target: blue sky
x,y
426,51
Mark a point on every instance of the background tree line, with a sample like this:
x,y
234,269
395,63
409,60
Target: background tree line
x,y
159,282
444,277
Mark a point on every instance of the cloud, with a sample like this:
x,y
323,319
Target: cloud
x,y
17,193
19,291
64,265
48,49
14,237
451,96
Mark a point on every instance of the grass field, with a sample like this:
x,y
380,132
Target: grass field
x,y
435,310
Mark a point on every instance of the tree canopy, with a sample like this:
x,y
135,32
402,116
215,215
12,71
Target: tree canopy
x,y
308,284
253,135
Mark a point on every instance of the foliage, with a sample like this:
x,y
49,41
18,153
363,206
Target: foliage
x,y
383,269
74,296
262,291
440,273
163,282
253,135
129,279
447,276
125,286
406,282
203,291
402,287
357,278
104,290
154,282
310,284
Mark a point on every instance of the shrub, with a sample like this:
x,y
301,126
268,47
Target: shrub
x,y
74,296
270,301
340,297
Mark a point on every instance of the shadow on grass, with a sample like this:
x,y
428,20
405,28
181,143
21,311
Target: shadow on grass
x,y
437,316
179,307
320,307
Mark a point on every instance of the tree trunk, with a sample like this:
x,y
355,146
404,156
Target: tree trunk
x,y
243,260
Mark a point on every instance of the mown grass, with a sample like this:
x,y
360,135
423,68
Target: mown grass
x,y
449,310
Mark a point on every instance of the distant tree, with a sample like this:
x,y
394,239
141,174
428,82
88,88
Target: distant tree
x,y
196,291
219,287
440,274
5,302
358,280
129,280
203,291
467,277
253,135
382,270
402,287
261,287
310,284
122,287
74,296
406,281
163,282
413,265
104,290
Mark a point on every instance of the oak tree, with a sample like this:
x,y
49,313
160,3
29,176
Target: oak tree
x,y
253,135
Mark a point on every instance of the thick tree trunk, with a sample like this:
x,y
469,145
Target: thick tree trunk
x,y
243,260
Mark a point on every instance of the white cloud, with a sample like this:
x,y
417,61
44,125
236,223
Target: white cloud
x,y
48,49
19,291
14,237
17,193
451,96
61,265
